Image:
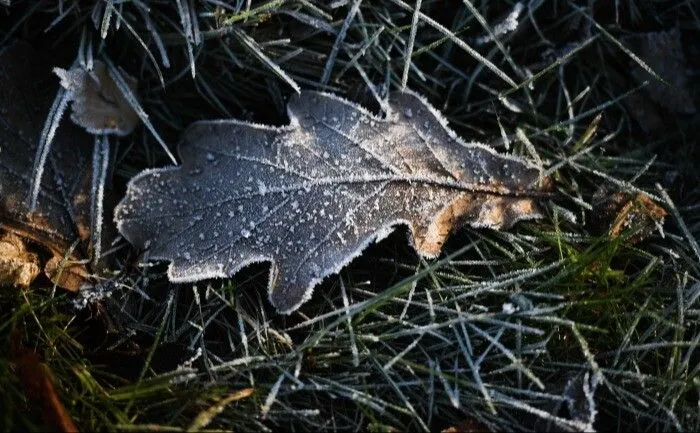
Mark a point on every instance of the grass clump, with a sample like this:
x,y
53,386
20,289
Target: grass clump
x,y
553,325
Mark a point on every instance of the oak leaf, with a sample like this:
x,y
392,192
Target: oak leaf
x,y
310,196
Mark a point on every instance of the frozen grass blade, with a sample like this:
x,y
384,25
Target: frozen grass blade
x,y
271,396
360,53
134,103
411,42
100,165
53,118
159,44
330,62
679,220
353,343
256,51
106,18
188,26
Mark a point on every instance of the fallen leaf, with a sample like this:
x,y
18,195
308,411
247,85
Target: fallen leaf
x,y
98,104
309,197
18,267
619,212
62,214
38,384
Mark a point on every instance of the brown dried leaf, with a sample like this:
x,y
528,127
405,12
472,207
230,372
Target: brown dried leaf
x,y
619,212
63,209
98,104
18,267
67,274
309,197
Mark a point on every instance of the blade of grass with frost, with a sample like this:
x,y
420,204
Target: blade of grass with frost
x,y
145,14
187,29
460,43
559,61
492,33
100,165
353,344
106,18
360,53
253,47
679,220
383,103
619,44
505,26
330,62
623,184
63,13
134,103
271,397
411,42
159,44
310,21
48,133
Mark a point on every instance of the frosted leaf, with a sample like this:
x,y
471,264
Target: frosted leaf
x,y
62,213
98,104
335,180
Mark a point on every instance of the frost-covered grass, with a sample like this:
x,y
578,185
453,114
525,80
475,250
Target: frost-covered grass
x,y
504,329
